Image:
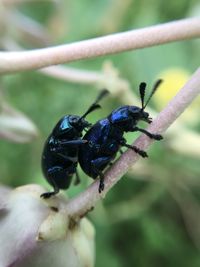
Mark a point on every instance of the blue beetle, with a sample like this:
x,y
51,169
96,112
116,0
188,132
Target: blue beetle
x,y
105,137
59,157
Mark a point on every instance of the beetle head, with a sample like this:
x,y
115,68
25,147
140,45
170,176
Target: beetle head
x,y
144,116
138,114
79,123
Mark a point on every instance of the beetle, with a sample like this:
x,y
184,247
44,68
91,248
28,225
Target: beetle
x,y
59,156
105,137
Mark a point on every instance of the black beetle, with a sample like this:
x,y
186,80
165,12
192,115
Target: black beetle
x,y
59,157
105,137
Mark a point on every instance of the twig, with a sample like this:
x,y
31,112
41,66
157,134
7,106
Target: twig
x,y
17,2
80,204
64,73
160,34
73,75
28,28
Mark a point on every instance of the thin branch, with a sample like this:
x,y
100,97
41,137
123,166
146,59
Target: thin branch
x,y
28,28
160,34
82,203
64,73
73,75
17,2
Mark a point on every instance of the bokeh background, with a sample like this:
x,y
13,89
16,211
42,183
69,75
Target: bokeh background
x,y
152,216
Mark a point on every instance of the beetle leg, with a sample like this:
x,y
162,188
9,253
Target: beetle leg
x,y
121,151
96,166
77,180
101,177
137,150
72,159
142,153
55,173
150,135
50,194
72,142
58,152
95,147
101,182
61,145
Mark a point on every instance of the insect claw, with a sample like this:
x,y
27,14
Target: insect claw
x,y
158,137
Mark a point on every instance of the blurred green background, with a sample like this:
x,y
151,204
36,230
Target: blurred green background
x,y
152,216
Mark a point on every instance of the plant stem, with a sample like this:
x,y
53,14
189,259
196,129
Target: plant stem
x,y
73,75
87,199
160,34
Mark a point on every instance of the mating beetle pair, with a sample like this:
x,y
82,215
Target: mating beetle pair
x,y
64,148
60,154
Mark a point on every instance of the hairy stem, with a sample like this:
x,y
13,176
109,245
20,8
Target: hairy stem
x,y
160,34
80,204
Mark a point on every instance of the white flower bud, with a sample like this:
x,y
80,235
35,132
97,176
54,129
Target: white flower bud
x,y
35,232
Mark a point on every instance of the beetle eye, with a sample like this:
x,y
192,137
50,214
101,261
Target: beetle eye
x,y
73,120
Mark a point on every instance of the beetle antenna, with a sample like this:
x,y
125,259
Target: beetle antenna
x,y
142,89
155,87
95,105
